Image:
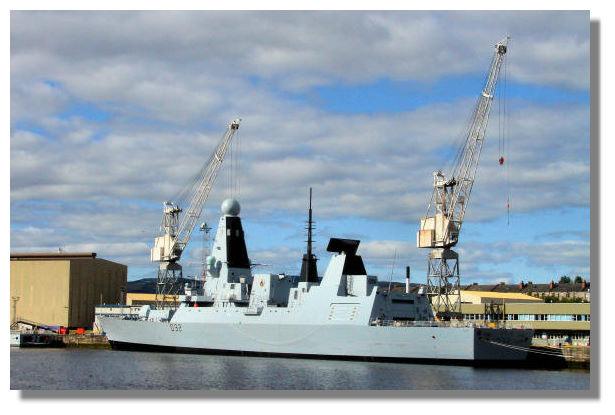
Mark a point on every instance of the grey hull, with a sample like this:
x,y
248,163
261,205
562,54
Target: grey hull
x,y
344,341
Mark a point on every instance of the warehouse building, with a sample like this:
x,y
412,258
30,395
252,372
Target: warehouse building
x,y
135,299
62,289
494,297
554,324
573,292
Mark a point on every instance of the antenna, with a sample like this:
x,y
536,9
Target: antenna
x,y
309,272
392,269
309,227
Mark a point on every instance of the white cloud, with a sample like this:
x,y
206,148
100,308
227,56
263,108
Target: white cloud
x,y
358,164
170,82
106,55
36,99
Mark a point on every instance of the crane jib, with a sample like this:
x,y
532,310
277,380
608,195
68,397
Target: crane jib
x,y
439,229
175,237
450,198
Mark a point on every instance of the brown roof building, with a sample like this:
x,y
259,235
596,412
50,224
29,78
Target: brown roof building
x,y
560,291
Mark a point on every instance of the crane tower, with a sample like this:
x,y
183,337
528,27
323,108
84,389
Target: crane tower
x,y
176,228
439,229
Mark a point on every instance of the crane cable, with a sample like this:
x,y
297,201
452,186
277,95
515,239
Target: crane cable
x,y
238,141
392,269
233,171
452,166
230,171
237,168
181,197
461,144
506,142
526,349
503,142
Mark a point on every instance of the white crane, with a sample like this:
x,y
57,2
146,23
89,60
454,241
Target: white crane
x,y
439,229
176,228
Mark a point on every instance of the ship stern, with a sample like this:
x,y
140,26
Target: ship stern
x,y
492,345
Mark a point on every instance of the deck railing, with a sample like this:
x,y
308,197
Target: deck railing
x,y
436,323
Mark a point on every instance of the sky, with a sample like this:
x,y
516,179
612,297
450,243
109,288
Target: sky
x,y
112,113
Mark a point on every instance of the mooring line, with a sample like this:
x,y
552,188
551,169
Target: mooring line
x,y
525,349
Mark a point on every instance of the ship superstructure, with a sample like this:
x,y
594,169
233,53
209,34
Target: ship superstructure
x,y
347,314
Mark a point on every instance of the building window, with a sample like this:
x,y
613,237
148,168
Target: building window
x,y
560,317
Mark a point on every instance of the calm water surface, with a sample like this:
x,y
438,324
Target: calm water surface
x,y
111,369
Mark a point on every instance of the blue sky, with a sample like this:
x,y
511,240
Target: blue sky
x,y
117,111
385,95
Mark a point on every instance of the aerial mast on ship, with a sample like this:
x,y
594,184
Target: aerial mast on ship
x,y
309,271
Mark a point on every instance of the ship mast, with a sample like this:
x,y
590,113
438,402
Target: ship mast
x,y
309,272
309,228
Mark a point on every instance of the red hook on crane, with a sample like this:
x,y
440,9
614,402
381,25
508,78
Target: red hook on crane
x,y
501,160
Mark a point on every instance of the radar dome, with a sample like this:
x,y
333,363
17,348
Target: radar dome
x,y
230,207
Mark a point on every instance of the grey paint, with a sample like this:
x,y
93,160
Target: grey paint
x,y
343,315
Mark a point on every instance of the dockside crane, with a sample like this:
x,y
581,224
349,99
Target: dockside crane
x,y
177,225
439,229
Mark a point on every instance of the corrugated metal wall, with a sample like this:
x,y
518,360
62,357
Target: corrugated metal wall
x,y
59,291
41,290
92,282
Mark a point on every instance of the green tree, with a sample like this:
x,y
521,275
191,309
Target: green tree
x,y
564,279
578,279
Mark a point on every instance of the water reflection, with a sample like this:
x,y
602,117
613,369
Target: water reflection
x,y
107,369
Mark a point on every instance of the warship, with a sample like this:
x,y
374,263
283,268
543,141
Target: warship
x,y
345,314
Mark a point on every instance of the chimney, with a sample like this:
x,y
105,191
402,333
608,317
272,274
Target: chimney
x,y
407,280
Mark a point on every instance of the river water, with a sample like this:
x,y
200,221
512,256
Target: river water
x,y
64,369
